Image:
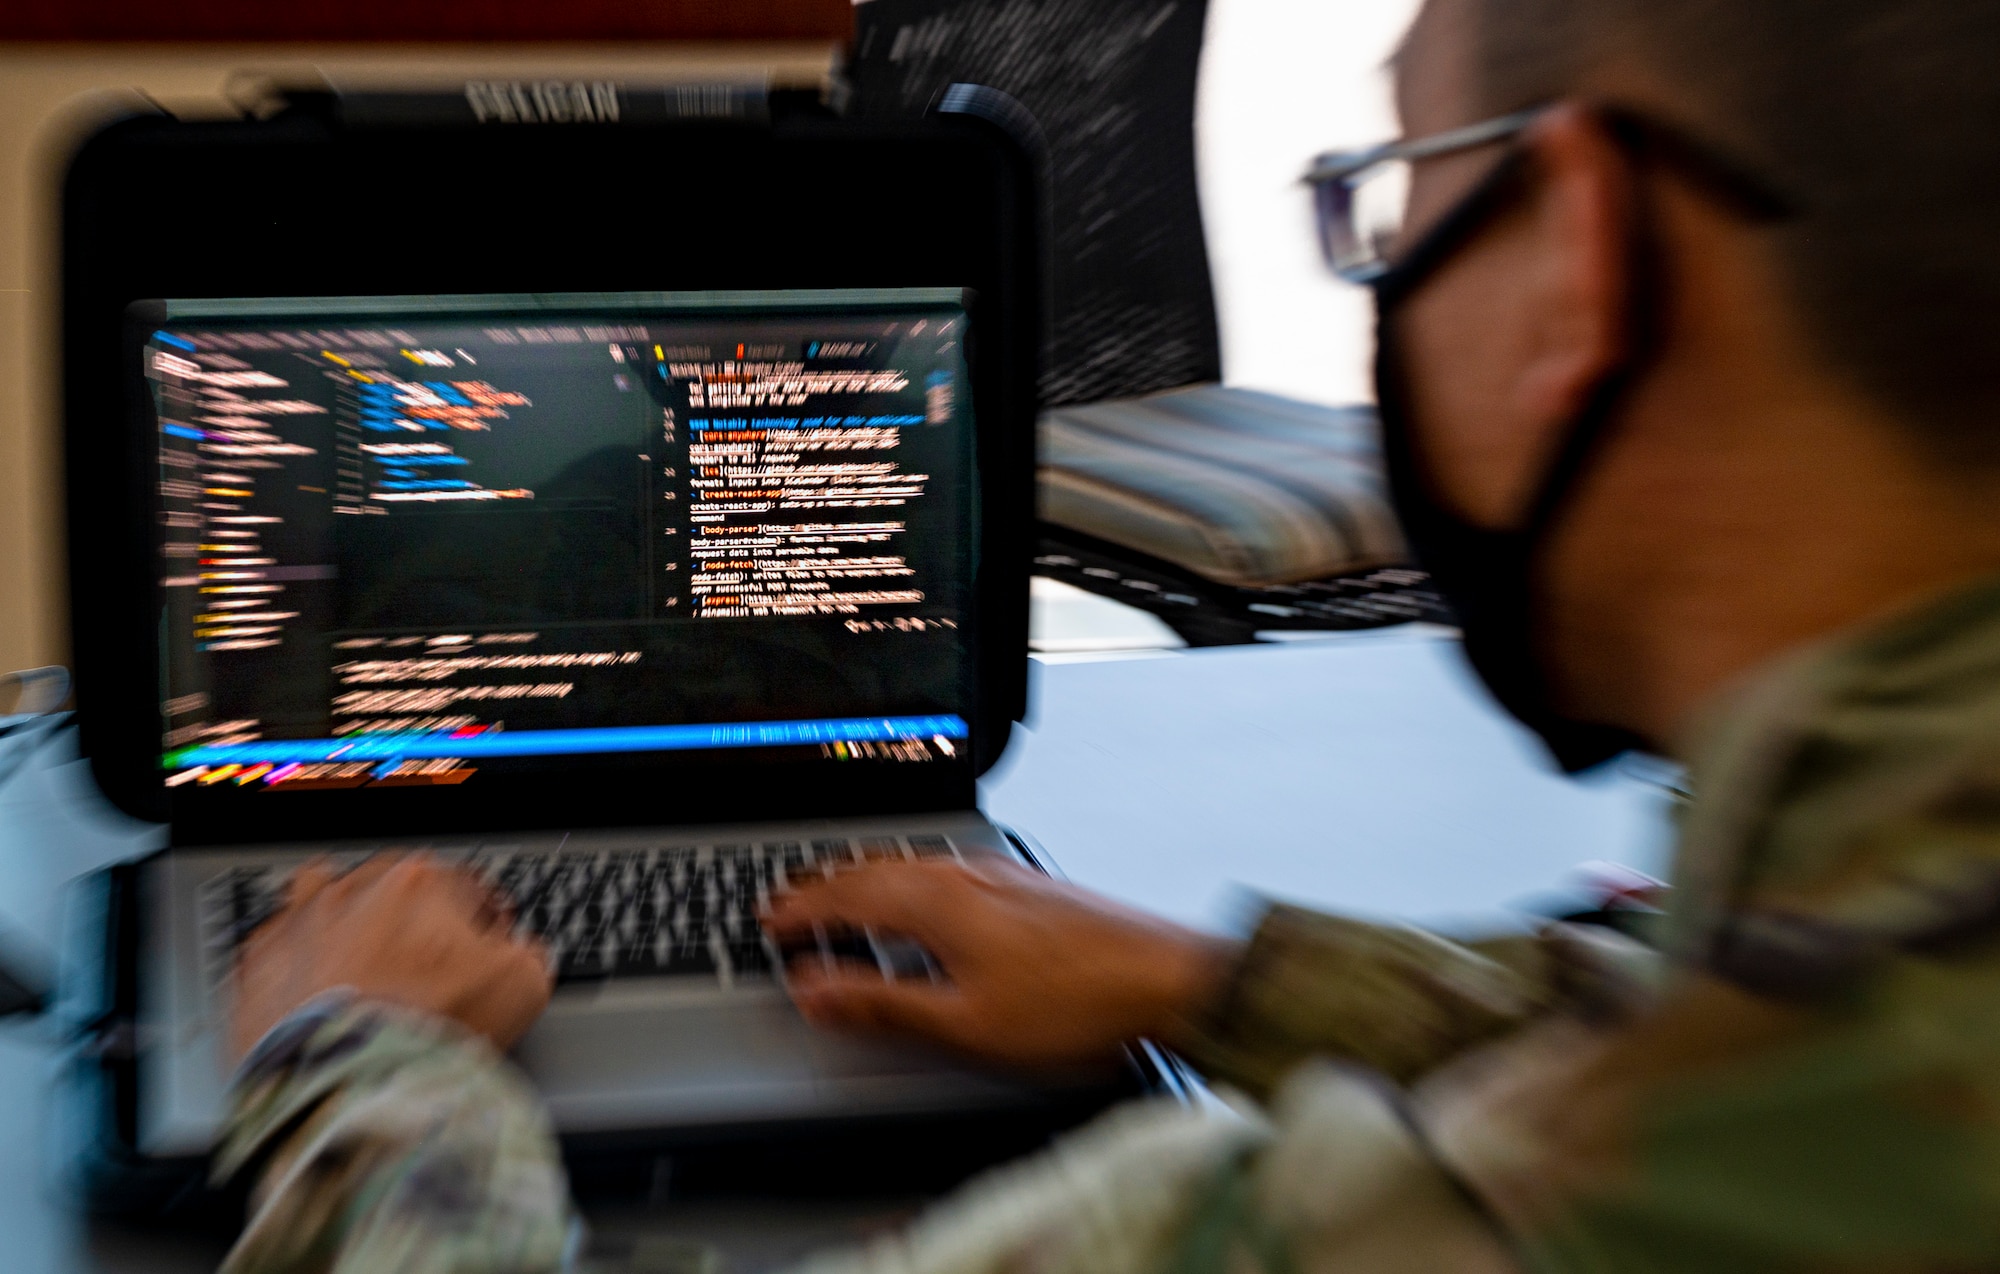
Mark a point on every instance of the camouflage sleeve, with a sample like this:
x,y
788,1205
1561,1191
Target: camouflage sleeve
x,y
1332,1176
1110,1198
1393,999
1727,1131
384,1142
1821,1091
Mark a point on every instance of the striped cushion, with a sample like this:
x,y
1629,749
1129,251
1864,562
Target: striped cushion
x,y
1243,488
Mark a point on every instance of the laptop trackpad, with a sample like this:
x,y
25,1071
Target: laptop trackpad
x,y
591,1039
627,1055
624,1059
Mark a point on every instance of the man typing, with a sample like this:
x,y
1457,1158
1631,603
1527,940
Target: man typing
x,y
1687,311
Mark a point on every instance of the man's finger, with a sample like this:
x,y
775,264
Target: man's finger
x,y
423,879
909,898
365,877
855,1000
485,904
536,951
314,875
521,966
521,990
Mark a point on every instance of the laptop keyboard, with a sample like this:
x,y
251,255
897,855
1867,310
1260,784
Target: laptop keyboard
x,y
670,911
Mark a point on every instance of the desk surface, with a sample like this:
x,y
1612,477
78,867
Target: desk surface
x,y
1365,774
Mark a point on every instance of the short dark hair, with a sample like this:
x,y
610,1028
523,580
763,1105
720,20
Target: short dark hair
x,y
1879,118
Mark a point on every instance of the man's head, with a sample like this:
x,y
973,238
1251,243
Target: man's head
x,y
1800,402
1881,118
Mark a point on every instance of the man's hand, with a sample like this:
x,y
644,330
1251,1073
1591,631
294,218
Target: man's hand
x,y
1041,973
414,932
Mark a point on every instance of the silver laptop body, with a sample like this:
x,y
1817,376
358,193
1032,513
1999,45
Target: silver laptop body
x,y
612,1054
337,472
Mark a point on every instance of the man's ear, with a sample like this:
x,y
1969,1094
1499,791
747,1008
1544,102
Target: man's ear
x,y
1577,302
1507,342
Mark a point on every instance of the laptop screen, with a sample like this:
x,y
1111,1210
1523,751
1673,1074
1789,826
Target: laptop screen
x,y
410,542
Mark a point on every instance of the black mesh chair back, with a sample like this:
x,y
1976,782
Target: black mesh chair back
x,y
1112,85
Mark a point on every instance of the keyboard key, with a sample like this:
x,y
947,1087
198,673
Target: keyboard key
x,y
670,910
732,864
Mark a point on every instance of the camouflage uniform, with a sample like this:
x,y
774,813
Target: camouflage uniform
x,y
1802,1073
384,1140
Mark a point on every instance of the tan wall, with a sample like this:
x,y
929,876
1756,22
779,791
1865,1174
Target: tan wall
x,y
51,95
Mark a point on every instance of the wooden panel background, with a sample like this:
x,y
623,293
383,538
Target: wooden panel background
x,y
425,20
65,67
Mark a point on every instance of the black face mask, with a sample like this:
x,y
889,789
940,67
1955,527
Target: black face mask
x,y
1490,578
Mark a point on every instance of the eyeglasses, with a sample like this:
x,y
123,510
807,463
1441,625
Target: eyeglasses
x,y
1361,198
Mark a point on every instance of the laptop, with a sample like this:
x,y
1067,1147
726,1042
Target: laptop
x,y
645,604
